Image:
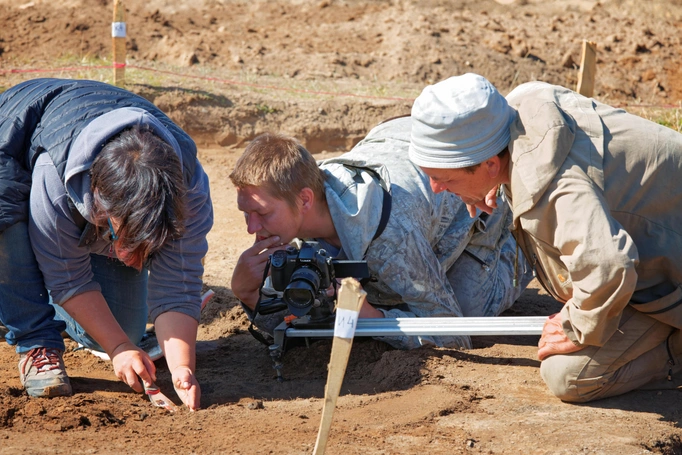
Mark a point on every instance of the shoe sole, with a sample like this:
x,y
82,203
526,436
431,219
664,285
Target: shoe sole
x,y
61,390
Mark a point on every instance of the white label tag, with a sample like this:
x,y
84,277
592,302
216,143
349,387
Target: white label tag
x,y
346,322
118,29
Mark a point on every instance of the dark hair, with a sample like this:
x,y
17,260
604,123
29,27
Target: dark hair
x,y
137,179
279,164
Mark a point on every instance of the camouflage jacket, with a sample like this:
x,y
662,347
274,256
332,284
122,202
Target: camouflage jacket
x,y
432,259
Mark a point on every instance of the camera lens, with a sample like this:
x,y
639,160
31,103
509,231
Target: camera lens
x,y
301,291
299,297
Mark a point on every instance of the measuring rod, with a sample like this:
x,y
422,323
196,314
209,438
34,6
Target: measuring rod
x,y
501,325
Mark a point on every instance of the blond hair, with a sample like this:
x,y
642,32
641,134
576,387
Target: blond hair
x,y
279,164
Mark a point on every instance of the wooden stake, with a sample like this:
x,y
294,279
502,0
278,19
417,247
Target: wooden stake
x,y
118,33
588,68
349,302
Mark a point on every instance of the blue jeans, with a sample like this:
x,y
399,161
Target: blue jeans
x,y
125,291
27,310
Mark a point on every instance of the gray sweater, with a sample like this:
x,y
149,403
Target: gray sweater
x,y
175,271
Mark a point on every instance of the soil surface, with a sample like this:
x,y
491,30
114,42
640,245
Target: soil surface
x,y
327,71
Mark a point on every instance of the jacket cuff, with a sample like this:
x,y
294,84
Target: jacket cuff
x,y
568,330
59,298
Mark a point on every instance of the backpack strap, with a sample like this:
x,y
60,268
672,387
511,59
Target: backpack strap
x,y
385,210
386,205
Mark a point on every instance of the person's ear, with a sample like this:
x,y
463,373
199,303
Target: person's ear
x,y
306,199
493,166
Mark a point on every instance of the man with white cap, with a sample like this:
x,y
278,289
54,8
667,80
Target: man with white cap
x,y
597,210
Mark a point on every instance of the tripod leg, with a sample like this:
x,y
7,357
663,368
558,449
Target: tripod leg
x,y
276,355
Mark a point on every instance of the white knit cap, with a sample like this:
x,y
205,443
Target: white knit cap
x,y
459,122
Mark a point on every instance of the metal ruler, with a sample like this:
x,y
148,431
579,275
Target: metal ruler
x,y
501,325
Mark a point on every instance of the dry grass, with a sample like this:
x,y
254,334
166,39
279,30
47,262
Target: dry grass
x,y
666,116
278,87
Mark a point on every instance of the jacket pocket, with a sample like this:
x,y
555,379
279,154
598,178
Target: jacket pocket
x,y
667,309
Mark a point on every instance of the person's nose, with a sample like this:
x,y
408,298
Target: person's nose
x,y
253,224
437,187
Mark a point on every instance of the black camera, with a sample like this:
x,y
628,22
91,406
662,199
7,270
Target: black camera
x,y
303,276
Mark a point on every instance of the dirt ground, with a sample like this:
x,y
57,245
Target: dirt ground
x,y
326,71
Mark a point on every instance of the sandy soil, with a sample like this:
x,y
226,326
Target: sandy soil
x,y
488,400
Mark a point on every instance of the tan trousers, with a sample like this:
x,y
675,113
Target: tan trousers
x,y
636,356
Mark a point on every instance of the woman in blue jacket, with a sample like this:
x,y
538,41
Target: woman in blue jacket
x,y
104,211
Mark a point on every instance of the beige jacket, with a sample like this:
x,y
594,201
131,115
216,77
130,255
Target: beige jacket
x,y
597,200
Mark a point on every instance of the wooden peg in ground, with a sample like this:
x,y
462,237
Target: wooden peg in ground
x,y
118,34
348,306
588,69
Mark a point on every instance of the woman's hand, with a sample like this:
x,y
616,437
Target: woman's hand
x,y
187,387
130,362
91,311
177,334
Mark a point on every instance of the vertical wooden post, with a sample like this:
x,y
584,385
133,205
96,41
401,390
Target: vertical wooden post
x,y
118,33
588,68
348,305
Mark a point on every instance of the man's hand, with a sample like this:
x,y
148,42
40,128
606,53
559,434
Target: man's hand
x,y
368,311
248,273
554,340
187,387
130,362
486,205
